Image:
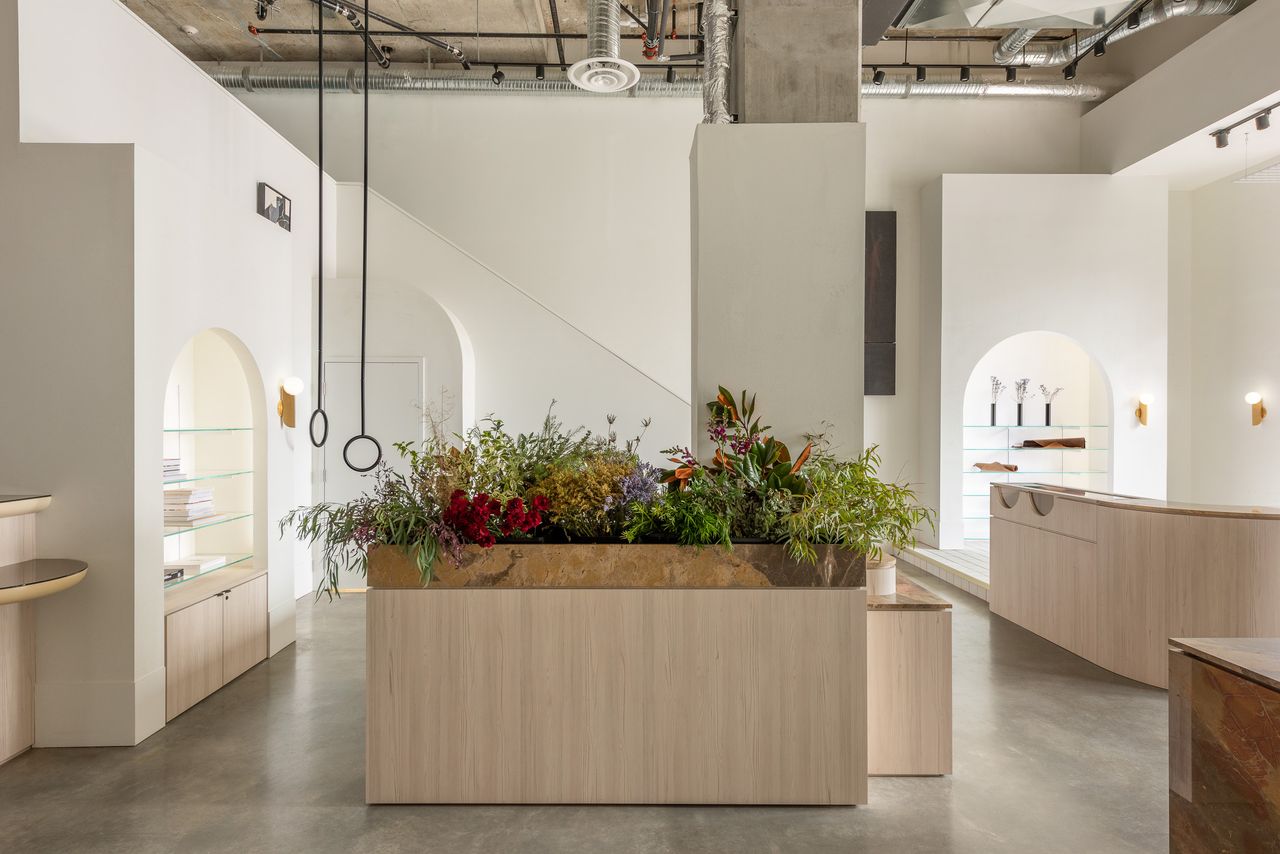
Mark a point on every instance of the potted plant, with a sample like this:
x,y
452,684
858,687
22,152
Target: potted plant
x,y
849,506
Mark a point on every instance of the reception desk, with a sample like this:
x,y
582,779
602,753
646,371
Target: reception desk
x,y
1111,577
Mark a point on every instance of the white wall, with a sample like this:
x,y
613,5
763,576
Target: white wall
x,y
125,252
582,204
1082,255
909,144
524,354
1223,329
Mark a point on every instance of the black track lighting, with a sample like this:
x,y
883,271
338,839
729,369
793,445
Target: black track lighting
x,y
877,77
540,72
498,76
671,75
1135,20
1263,120
921,73
1011,74
1100,48
965,74
1222,138
1070,71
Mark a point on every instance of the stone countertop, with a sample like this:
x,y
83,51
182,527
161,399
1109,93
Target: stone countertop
x,y
20,505
1256,659
908,597
1149,505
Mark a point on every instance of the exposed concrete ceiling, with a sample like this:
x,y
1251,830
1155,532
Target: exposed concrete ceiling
x,y
223,29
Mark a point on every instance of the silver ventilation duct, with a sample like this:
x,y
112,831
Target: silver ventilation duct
x,y
1096,88
1016,49
603,70
716,24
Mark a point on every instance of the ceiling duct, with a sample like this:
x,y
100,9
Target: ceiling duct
x,y
603,70
1016,49
1096,87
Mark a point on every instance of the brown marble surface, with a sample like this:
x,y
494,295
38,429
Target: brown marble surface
x,y
908,597
536,565
1257,659
1234,782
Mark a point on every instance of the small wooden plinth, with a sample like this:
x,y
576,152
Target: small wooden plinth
x,y
637,695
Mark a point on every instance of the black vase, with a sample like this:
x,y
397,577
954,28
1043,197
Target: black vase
x,y
1019,414
1048,414
993,414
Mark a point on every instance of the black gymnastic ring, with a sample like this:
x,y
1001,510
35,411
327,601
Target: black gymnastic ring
x,y
324,437
347,447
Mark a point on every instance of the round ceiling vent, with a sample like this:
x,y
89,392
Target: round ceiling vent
x,y
603,74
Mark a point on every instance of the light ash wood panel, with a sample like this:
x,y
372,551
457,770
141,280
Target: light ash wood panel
x,y
1134,553
1044,510
192,655
1047,583
17,678
244,627
210,583
17,645
616,696
909,692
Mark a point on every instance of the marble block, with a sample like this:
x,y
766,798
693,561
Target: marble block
x,y
534,565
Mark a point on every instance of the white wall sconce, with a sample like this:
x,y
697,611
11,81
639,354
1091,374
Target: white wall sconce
x,y
1259,409
1144,400
287,408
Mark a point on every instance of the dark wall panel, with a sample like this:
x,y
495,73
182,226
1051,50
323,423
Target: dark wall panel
x,y
881,320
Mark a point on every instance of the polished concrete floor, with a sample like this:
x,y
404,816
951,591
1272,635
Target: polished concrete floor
x,y
1052,755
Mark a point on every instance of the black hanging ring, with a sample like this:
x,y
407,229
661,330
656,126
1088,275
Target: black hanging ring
x,y
324,420
347,447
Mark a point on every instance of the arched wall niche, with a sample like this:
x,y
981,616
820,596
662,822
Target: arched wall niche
x,y
1082,410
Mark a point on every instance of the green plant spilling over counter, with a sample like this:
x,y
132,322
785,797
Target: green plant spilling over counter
x,y
561,485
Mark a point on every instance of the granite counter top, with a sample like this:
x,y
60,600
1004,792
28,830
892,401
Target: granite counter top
x,y
1256,659
908,597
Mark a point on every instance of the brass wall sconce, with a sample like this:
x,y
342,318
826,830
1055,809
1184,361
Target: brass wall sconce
x,y
1259,409
287,407
1144,401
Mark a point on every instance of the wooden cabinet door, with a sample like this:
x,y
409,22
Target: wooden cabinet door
x,y
192,655
244,627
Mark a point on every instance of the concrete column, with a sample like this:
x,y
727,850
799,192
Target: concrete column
x,y
778,216
797,61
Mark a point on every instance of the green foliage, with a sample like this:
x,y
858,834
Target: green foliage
x,y
692,517
850,507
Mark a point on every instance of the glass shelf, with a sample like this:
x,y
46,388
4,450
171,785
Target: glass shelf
x,y
1023,471
1037,426
232,560
209,475
221,519
208,429
998,450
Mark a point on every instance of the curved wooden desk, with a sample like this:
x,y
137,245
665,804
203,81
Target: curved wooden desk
x,y
1112,577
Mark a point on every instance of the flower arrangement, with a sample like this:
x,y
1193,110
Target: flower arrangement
x,y
1049,395
1020,389
997,388
556,485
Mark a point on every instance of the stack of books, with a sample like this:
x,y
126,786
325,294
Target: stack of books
x,y
173,469
191,565
186,507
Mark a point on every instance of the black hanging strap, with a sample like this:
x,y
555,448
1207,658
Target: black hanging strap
x,y
319,417
364,272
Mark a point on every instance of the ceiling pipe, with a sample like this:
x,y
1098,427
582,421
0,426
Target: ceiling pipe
x,y
1015,49
603,69
248,79
652,12
349,13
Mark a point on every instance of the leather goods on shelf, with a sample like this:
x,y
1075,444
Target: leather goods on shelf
x,y
995,467
1064,442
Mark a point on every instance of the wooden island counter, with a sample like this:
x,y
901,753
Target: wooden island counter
x,y
1113,577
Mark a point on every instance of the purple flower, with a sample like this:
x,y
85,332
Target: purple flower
x,y
640,485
